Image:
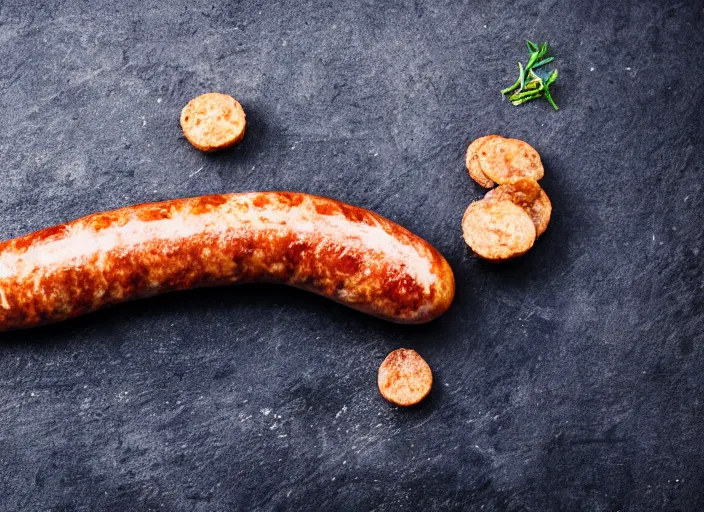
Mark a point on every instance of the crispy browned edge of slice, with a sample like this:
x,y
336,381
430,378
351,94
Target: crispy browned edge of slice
x,y
536,202
466,219
209,148
497,173
404,363
472,161
540,213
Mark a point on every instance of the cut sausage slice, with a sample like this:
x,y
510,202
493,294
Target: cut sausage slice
x,y
472,162
404,377
520,191
526,193
213,121
497,230
501,159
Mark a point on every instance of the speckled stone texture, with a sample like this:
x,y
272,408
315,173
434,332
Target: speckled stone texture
x,y
569,380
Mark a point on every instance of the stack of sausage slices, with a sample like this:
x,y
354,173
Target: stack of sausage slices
x,y
506,223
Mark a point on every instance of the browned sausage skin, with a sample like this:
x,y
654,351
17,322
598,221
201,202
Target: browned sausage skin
x,y
351,255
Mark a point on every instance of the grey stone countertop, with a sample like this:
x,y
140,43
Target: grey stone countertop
x,y
569,380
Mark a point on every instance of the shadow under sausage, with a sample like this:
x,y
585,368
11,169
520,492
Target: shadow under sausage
x,y
251,303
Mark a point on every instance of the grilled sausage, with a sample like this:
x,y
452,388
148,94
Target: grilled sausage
x,y
351,255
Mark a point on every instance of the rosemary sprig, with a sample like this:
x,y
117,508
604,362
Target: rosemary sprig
x,y
529,85
517,83
521,76
543,62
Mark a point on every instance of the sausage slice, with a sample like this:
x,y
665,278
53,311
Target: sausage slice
x,y
501,159
213,121
404,377
526,193
497,230
472,162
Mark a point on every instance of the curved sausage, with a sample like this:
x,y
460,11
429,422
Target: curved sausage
x,y
345,253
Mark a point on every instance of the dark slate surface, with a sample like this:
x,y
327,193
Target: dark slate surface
x,y
570,380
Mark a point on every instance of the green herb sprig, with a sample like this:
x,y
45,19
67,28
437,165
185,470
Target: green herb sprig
x,y
529,85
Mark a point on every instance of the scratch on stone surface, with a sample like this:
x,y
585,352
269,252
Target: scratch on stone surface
x,y
196,172
417,425
577,442
573,264
72,85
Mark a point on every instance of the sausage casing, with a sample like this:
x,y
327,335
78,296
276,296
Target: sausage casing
x,y
349,254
